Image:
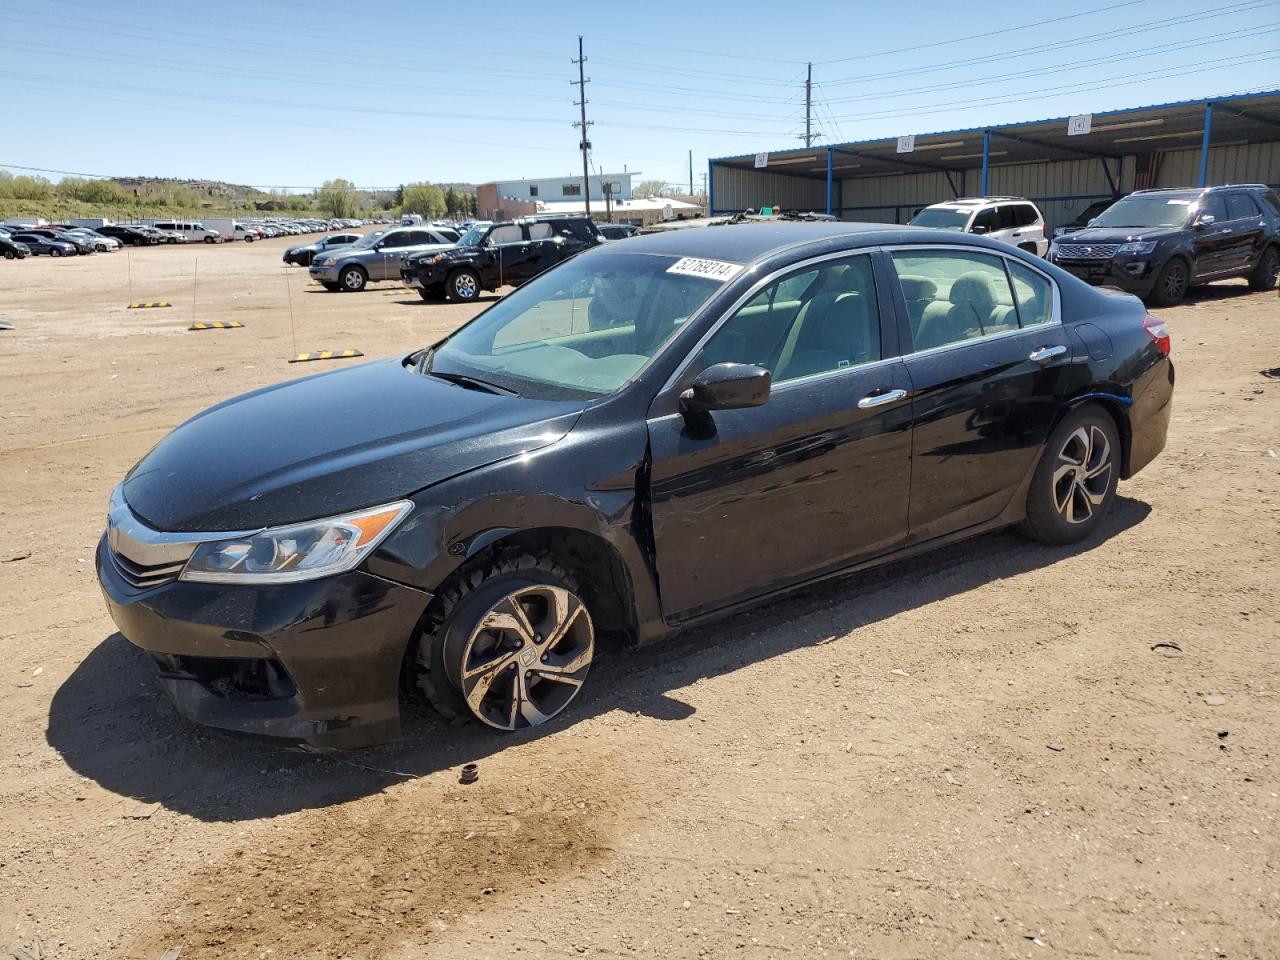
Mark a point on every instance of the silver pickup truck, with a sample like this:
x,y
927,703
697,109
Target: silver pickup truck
x,y
376,257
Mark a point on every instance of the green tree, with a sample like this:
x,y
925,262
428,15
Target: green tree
x,y
299,202
338,198
423,198
650,188
452,202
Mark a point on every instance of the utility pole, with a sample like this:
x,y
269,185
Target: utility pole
x,y
808,106
691,173
584,144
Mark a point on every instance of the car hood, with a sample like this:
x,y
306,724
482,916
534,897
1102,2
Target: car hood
x,y
304,248
328,444
1120,234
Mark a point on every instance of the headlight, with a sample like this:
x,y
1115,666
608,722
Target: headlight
x,y
301,551
325,262
1143,248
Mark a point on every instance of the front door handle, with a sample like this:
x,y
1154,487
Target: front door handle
x,y
879,399
1047,353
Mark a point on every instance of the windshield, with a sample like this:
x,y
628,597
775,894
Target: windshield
x,y
1147,212
580,330
941,218
475,236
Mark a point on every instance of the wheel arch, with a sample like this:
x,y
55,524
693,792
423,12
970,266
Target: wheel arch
x,y
1117,407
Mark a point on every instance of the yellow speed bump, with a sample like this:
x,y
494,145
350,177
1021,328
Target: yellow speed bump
x,y
149,304
217,325
326,355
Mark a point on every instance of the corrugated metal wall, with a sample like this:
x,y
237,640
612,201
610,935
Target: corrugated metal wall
x,y
1239,163
1060,188
734,189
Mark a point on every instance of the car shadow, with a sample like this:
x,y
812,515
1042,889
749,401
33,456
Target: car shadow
x,y
112,723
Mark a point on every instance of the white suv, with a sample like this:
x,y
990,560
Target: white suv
x,y
1014,220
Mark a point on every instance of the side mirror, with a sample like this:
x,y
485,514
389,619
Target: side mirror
x,y
1092,221
727,386
1205,220
977,228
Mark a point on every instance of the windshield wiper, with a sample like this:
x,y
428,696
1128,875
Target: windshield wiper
x,y
471,383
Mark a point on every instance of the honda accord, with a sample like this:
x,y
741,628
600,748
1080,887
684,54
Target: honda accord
x,y
647,436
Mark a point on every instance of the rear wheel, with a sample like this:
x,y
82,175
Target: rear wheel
x,y
1266,273
1076,478
464,286
9,254
512,646
353,279
1171,284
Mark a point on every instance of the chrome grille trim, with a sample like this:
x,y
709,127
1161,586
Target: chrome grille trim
x,y
1087,251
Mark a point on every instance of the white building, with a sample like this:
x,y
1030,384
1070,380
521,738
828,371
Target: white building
x,y
507,195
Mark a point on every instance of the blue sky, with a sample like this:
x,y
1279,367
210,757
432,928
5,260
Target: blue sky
x,y
290,93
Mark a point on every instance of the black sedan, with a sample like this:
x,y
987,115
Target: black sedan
x,y
652,434
304,254
132,236
13,249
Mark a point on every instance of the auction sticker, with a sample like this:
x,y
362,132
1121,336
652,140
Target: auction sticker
x,y
711,269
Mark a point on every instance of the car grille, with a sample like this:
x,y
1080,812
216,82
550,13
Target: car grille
x,y
1087,251
143,577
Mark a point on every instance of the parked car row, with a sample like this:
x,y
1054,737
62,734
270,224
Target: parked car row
x,y
1156,243
17,243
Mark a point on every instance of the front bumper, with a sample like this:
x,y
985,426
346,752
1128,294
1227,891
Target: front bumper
x,y
424,275
1132,273
317,661
324,274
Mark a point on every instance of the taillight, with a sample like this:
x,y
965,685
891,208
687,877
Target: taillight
x,y
1159,332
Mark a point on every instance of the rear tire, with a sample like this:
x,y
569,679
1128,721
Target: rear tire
x,y
1171,284
1075,480
463,286
509,643
1266,273
9,255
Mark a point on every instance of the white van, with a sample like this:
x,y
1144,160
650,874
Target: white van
x,y
193,230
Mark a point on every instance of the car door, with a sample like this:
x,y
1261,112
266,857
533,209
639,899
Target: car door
x,y
386,265
547,247
987,363
1006,227
813,480
1211,237
510,253
1244,241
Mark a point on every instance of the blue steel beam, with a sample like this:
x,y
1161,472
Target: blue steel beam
x,y
986,161
1204,143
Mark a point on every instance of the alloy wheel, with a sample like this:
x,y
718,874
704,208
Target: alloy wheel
x,y
527,657
353,280
1175,281
465,286
1082,476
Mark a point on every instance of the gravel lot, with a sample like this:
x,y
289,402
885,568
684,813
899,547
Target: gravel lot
x,y
977,754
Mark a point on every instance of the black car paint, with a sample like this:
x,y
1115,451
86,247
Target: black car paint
x,y
678,524
1215,251
13,249
508,263
128,235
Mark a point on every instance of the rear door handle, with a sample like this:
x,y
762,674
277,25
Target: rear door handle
x,y
879,399
1047,353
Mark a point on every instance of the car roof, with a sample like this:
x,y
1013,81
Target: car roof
x,y
748,242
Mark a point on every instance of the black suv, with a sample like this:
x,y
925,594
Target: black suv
x,y
1157,243
490,255
128,235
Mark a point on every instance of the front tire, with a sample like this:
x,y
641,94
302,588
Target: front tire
x,y
55,252
352,279
210,240
330,286
1171,284
432,294
9,255
464,286
512,643
1075,481
1266,273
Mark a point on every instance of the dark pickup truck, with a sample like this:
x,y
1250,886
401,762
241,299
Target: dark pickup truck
x,y
491,255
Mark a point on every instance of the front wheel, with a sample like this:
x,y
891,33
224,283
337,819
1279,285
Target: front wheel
x,y
1267,271
432,294
55,252
9,255
1171,284
513,644
1076,478
464,286
353,279
210,240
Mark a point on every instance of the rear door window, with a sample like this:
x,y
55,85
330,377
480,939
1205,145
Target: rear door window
x,y
507,233
1007,217
954,295
1027,215
1239,206
539,231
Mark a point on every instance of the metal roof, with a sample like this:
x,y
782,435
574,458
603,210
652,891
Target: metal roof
x,y
1243,118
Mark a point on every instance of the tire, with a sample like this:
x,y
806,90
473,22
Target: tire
x,y
55,252
528,665
463,286
9,255
1075,480
433,294
352,279
1266,273
210,240
1171,283
330,286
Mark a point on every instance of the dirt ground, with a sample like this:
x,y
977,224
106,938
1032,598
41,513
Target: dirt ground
x,y
978,754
